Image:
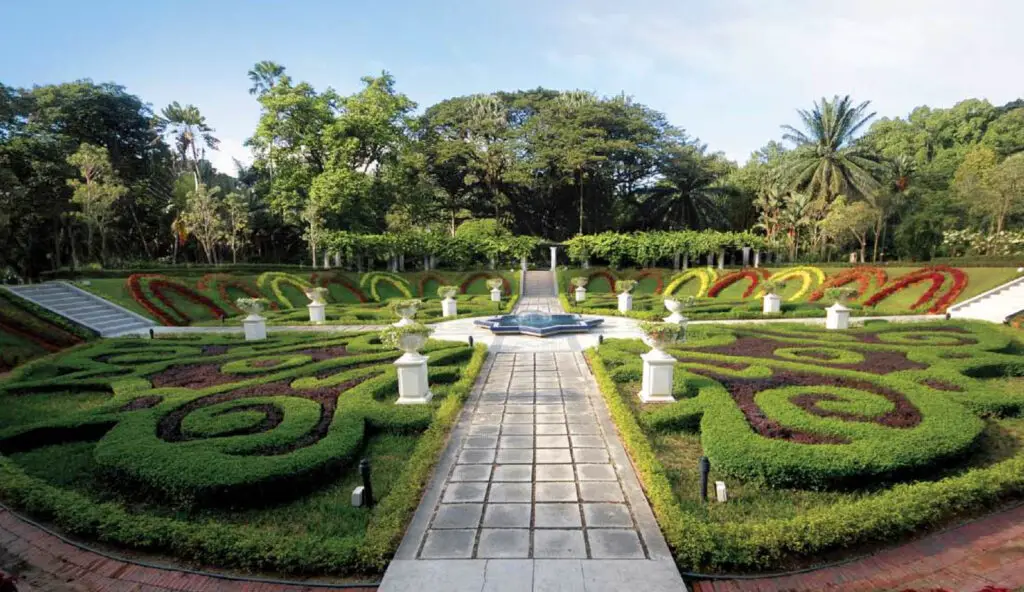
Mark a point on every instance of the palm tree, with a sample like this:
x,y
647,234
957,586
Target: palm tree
x,y
898,172
689,194
826,162
796,214
264,75
186,127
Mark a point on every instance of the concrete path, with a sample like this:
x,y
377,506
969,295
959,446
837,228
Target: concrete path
x,y
534,491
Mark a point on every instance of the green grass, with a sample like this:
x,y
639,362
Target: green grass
x,y
775,521
89,444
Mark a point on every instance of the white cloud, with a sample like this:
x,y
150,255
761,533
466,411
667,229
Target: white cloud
x,y
706,60
229,149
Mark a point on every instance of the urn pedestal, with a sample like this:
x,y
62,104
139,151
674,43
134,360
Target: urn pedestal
x,y
581,294
772,304
625,302
449,308
657,377
837,316
316,313
412,379
255,327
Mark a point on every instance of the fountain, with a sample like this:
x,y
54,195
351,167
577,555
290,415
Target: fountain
x,y
538,324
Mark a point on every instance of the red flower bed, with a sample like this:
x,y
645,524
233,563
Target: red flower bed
x,y
430,277
754,275
159,285
936,276
326,279
861,275
222,282
466,283
650,273
608,277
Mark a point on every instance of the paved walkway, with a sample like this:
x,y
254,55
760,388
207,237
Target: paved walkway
x,y
988,552
534,491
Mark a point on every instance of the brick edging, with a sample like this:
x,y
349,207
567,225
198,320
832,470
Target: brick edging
x,y
80,569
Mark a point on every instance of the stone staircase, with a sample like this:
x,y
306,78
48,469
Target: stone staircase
x,y
88,310
994,306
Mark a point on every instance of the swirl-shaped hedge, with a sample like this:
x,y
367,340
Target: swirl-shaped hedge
x,y
809,278
796,407
162,297
939,276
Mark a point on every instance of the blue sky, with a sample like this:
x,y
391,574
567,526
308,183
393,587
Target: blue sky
x,y
728,71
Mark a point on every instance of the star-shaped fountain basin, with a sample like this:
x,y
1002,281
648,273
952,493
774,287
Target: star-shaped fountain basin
x,y
538,324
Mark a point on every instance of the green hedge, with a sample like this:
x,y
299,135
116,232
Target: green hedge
x,y
219,462
883,512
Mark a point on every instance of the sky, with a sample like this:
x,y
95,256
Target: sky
x,y
729,72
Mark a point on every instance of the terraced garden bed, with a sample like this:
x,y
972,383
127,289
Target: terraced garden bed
x,y
827,441
736,293
220,451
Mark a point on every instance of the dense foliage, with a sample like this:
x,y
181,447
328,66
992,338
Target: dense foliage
x,y
89,174
223,451
821,435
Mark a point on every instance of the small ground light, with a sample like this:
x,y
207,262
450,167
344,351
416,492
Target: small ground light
x,y
470,341
151,336
704,466
364,470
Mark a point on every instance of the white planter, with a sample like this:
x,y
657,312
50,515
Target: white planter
x,y
625,302
496,295
837,316
255,327
772,304
413,388
316,313
449,308
581,294
657,377
406,314
675,307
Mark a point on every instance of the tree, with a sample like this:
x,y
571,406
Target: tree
x,y
690,193
202,218
972,182
796,215
237,217
854,219
1005,134
95,193
826,161
1006,197
263,76
190,134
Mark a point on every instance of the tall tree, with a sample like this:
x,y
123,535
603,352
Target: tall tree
x,y
95,192
1006,197
188,131
202,218
826,161
263,76
237,218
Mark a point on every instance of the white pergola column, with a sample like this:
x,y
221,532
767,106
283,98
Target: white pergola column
x,y
554,258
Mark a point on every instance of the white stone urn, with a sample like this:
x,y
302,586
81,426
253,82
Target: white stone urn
x,y
676,308
406,311
495,294
254,325
837,317
772,304
625,301
581,294
659,366
317,304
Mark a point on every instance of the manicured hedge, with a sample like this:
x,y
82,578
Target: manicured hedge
x,y
896,473
228,455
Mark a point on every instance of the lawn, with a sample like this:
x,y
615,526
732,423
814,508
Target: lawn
x,y
216,450
736,294
827,441
353,298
